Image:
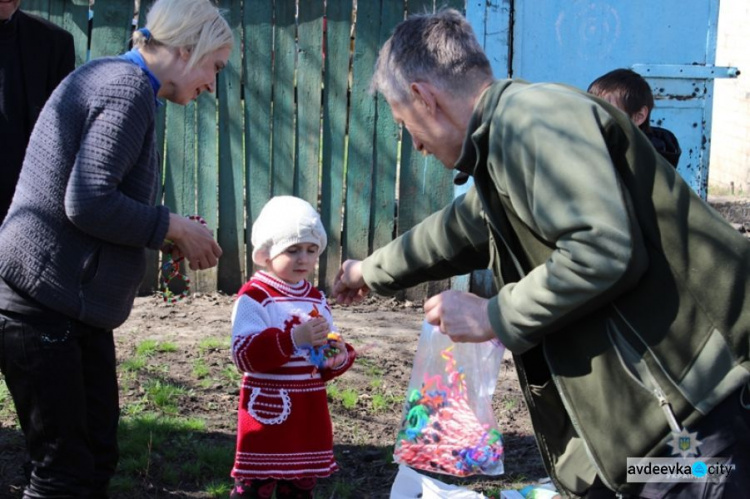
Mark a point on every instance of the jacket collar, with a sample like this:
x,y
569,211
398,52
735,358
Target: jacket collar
x,y
474,148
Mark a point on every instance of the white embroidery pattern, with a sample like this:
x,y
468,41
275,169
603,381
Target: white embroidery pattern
x,y
281,411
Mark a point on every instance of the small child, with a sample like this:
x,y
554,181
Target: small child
x,y
280,326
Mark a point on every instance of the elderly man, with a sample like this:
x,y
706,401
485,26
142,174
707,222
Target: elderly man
x,y
624,297
35,55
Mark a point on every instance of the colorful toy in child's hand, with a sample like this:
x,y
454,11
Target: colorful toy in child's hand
x,y
170,270
319,355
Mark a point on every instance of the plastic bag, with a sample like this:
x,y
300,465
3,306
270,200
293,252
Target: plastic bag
x,y
412,485
448,425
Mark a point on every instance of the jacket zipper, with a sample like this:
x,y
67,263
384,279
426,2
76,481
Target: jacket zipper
x,y
645,377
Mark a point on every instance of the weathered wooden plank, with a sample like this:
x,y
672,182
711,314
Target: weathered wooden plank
x,y
207,178
386,146
179,173
37,7
112,29
424,186
57,12
283,98
309,82
335,111
361,133
258,60
231,271
151,279
430,185
76,21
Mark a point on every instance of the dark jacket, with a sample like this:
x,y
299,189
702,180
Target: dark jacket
x,y
624,297
666,143
47,55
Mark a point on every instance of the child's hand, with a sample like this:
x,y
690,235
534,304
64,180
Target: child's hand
x,y
313,332
341,356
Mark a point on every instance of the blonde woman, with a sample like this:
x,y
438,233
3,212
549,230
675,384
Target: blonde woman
x,y
72,246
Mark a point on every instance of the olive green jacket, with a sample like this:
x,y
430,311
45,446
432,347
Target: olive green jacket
x,y
624,297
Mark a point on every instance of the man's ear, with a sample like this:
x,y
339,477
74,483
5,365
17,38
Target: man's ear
x,y
640,116
425,94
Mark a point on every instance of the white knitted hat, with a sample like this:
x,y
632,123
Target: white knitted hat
x,y
283,222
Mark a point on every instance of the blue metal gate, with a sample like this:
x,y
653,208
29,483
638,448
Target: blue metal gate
x,y
575,41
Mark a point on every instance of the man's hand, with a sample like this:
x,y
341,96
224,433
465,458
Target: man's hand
x,y
462,316
349,285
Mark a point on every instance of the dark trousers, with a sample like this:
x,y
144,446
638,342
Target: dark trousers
x,y
723,432
61,375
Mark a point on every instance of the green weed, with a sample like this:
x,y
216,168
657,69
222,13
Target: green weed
x,y
379,402
200,369
163,396
213,344
6,401
231,373
333,391
146,348
133,364
166,347
134,408
509,403
217,489
349,398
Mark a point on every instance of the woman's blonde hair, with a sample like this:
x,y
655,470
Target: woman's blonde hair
x,y
195,25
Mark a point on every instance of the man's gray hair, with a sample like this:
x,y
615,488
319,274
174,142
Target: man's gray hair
x,y
438,48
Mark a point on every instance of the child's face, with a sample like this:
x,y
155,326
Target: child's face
x,y
294,263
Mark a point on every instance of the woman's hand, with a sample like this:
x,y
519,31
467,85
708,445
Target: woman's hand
x,y
194,241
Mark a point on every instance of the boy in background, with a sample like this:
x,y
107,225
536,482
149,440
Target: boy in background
x,y
629,92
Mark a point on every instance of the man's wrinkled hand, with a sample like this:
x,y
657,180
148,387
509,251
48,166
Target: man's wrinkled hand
x,y
349,285
462,316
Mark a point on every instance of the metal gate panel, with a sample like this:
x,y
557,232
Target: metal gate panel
x,y
672,46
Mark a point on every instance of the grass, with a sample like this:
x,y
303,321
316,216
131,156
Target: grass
x,y
162,395
213,344
134,364
7,410
171,449
200,369
349,398
231,373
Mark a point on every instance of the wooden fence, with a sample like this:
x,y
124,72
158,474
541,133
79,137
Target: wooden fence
x,y
291,115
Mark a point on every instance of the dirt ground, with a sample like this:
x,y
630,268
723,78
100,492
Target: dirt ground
x,y
385,334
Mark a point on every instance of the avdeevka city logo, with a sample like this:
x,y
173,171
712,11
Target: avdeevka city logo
x,y
684,443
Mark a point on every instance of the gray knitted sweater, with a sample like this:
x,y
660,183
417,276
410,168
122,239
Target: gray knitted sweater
x,y
83,212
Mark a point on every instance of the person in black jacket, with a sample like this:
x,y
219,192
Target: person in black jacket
x,y
35,56
628,91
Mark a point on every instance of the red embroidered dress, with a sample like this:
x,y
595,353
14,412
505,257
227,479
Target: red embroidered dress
x,y
284,427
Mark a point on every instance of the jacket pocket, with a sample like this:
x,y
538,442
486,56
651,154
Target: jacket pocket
x,y
90,265
634,363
